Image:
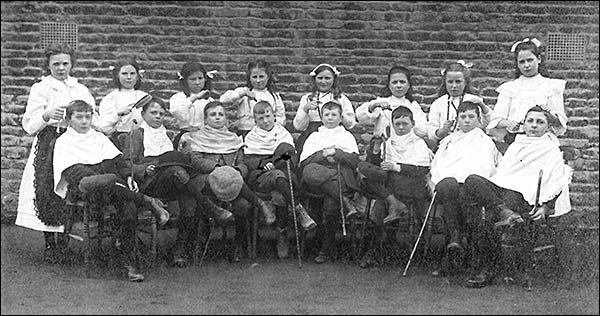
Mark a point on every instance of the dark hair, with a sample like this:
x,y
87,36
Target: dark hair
x,y
402,70
456,67
551,118
154,101
57,48
210,105
537,51
336,90
122,62
78,106
402,111
468,105
267,67
261,107
332,105
187,70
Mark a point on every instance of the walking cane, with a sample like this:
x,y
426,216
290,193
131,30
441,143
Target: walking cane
x,y
289,170
420,233
205,246
532,227
339,174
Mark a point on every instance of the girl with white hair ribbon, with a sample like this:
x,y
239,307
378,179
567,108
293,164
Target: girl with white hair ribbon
x,y
455,88
117,111
325,87
531,87
188,105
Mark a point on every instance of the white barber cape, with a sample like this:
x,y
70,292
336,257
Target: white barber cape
x,y
324,137
462,154
520,167
72,148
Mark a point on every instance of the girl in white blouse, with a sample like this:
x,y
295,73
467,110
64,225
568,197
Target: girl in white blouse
x,y
188,105
260,86
531,87
325,88
39,207
117,112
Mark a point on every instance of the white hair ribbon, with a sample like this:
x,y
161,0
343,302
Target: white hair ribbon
x,y
534,40
335,71
210,74
141,72
462,63
111,67
179,76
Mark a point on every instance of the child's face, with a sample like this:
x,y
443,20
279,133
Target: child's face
x,y
536,124
266,120
324,80
196,82
399,84
60,66
128,77
528,63
402,125
154,115
259,78
467,120
215,117
80,121
331,118
455,83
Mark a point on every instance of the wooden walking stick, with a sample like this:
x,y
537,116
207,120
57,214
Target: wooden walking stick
x,y
420,233
339,174
289,170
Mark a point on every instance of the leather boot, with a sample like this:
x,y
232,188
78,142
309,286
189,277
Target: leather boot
x,y
349,206
184,231
455,240
268,211
50,250
133,275
395,209
303,218
283,245
508,216
220,214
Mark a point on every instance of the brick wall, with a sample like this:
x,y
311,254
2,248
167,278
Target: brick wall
x,y
363,39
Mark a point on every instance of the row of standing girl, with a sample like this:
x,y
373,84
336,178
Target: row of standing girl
x,y
117,115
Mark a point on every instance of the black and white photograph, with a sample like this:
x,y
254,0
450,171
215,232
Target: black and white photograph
x,y
300,157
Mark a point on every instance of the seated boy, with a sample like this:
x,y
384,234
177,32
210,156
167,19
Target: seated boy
x,y
468,150
167,174
512,192
269,149
87,165
212,148
401,174
329,160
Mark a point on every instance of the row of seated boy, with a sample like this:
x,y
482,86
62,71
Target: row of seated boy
x,y
265,161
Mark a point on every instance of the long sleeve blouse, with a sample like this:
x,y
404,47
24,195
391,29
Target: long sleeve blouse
x,y
302,118
190,116
114,102
245,105
382,118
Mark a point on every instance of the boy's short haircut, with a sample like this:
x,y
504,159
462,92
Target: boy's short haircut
x,y
78,106
152,102
402,111
210,105
552,120
468,105
261,107
332,105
